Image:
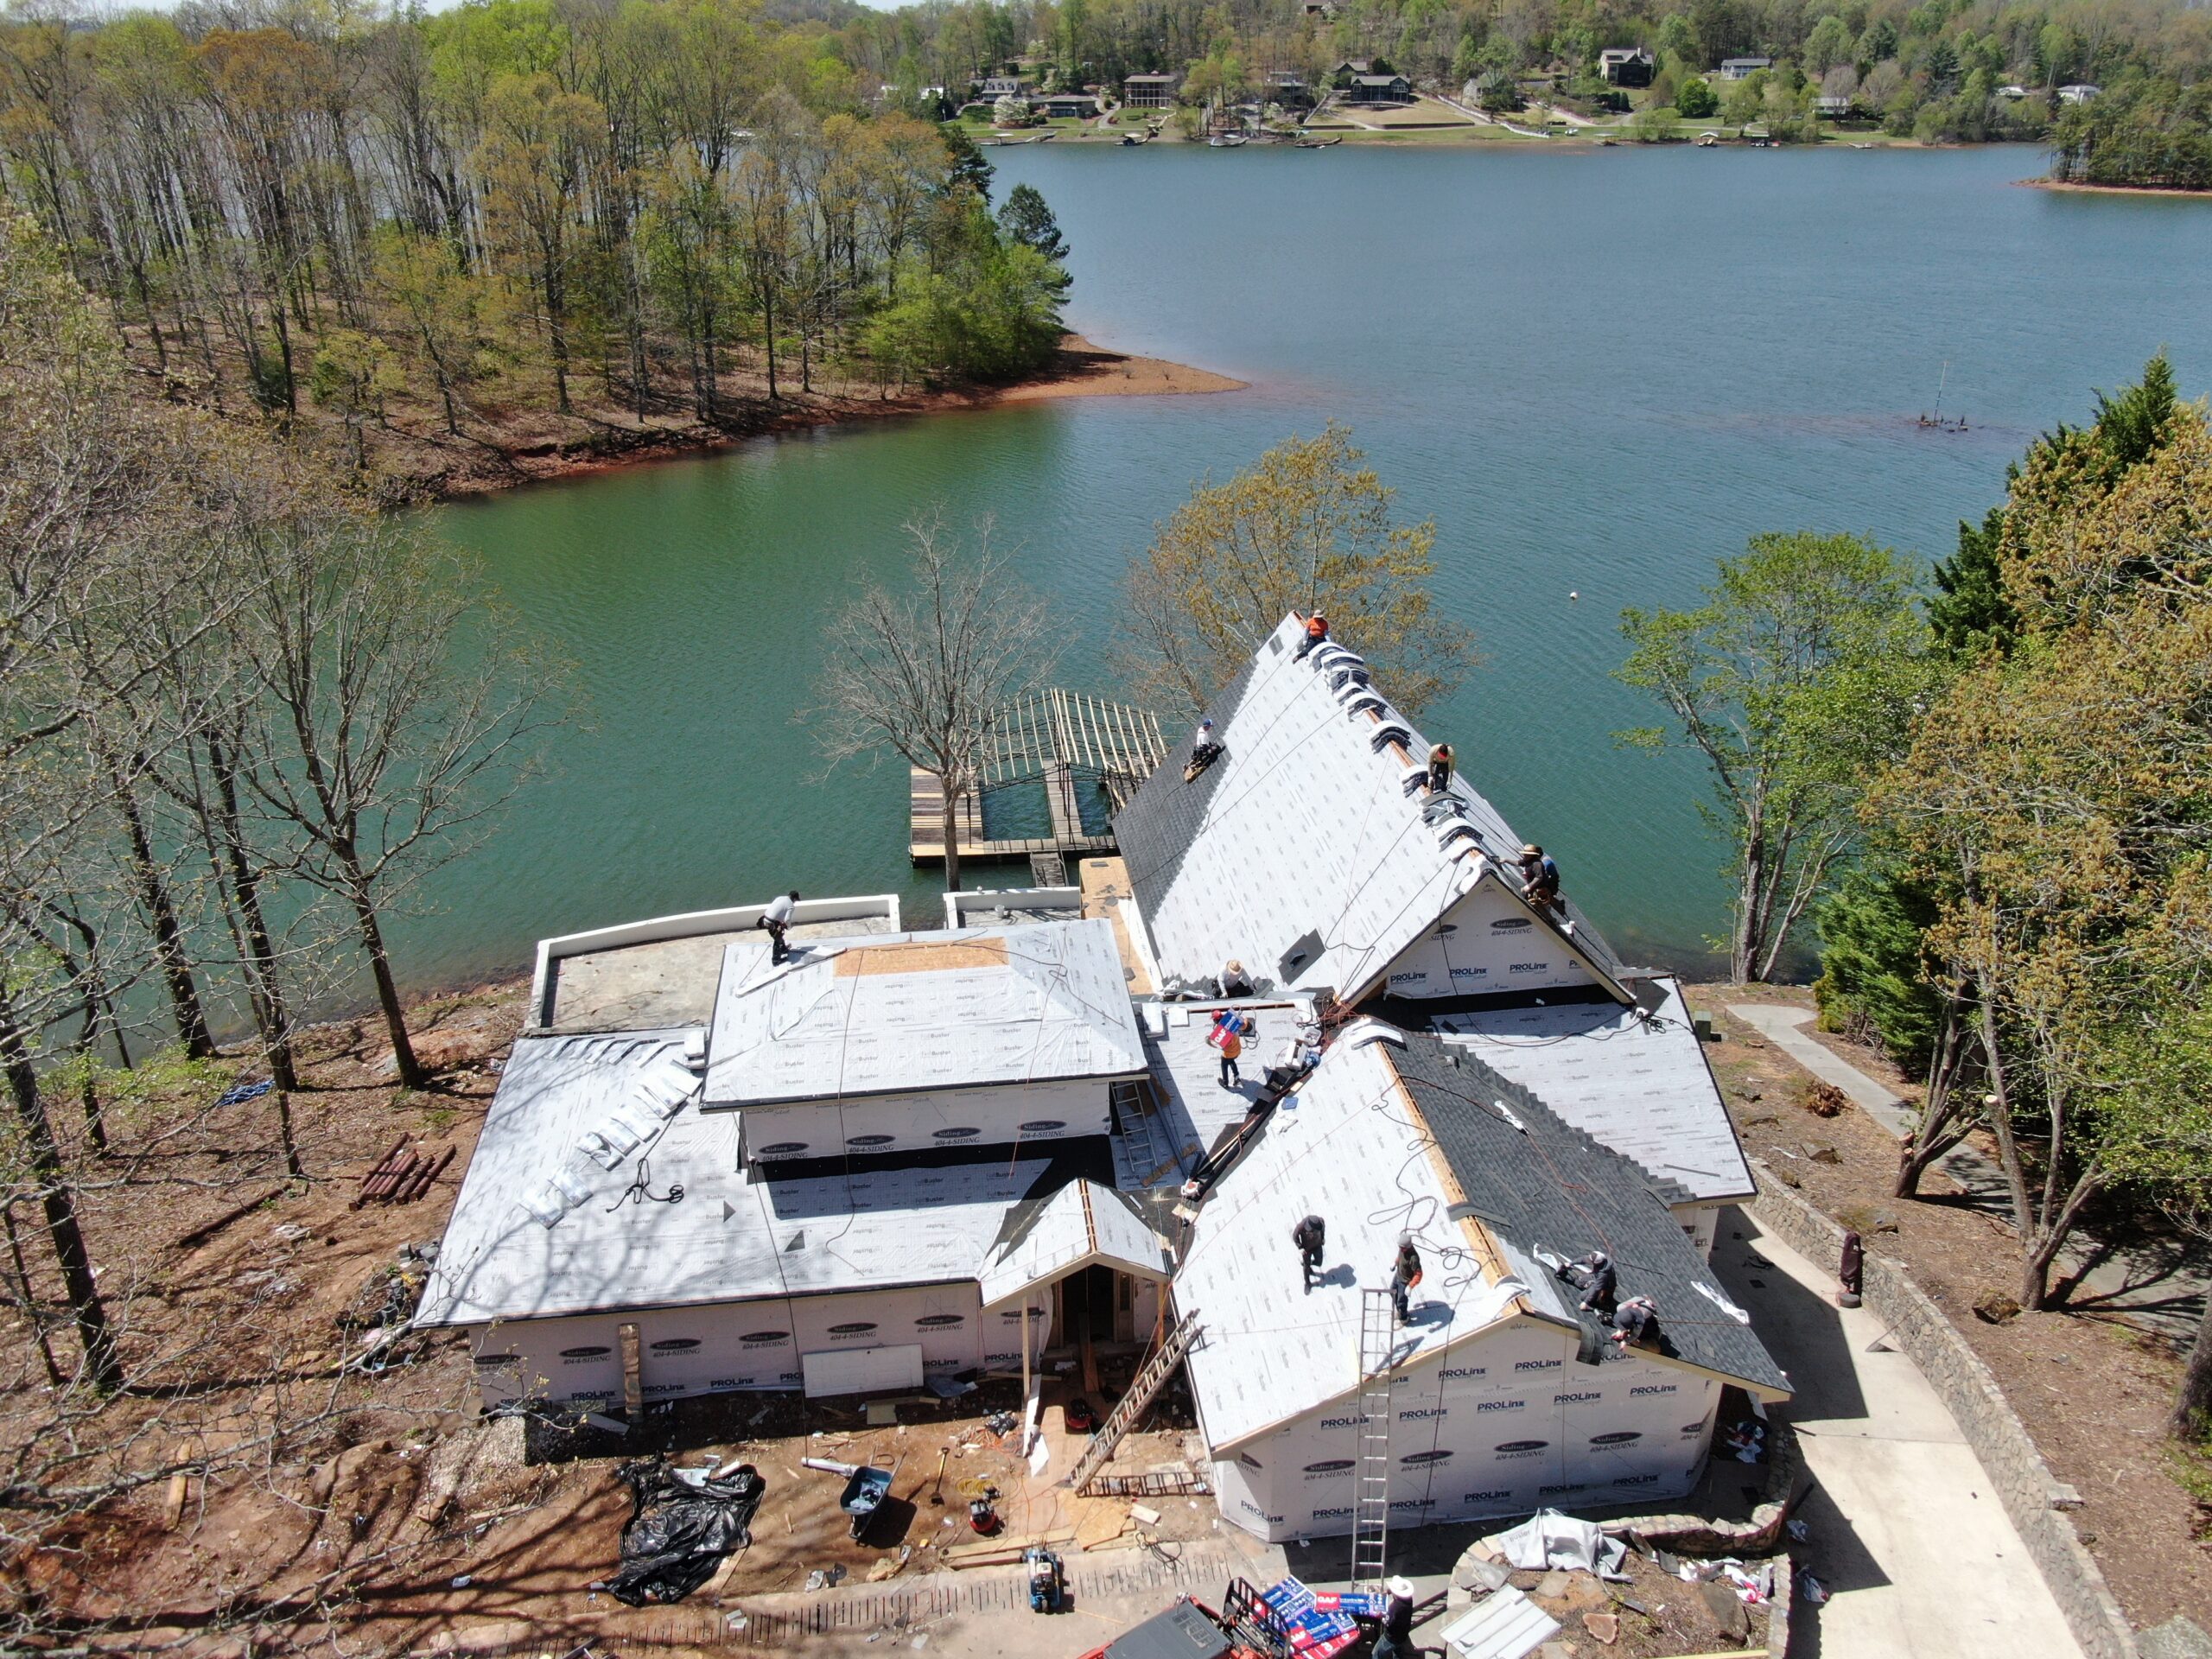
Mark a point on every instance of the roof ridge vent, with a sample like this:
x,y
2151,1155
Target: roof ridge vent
x,y
1387,733
1365,702
1365,1034
1458,829
1412,779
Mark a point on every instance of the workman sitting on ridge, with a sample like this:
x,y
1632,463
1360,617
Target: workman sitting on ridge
x,y
1206,749
1317,635
1538,877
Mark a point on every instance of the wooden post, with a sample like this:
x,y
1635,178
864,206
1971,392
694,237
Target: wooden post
x,y
634,1393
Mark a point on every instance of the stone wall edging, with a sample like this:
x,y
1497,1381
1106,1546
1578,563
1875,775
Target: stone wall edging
x,y
1970,1391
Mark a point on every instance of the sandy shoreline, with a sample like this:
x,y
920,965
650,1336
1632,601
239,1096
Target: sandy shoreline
x,y
1082,369
2069,185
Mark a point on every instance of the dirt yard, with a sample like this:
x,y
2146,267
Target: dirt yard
x,y
2091,1389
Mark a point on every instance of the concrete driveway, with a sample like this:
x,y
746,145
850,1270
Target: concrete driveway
x,y
1907,1533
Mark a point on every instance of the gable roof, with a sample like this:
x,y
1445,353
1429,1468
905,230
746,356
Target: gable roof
x,y
1340,1149
1302,852
1537,1183
1080,1223
1637,1082
910,1012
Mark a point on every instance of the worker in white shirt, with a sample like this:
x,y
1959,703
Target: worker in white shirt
x,y
777,919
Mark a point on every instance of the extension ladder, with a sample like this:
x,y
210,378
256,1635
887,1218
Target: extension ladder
x,y
1148,1159
1378,1326
1150,1379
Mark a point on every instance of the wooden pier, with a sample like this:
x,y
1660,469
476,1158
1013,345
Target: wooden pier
x,y
1064,743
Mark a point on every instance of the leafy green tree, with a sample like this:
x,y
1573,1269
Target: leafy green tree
x,y
1969,611
1794,682
970,169
1695,100
1746,99
1306,527
1829,44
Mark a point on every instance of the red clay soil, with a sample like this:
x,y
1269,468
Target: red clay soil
x,y
2092,1390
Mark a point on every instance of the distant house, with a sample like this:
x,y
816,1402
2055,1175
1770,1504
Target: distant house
x,y
1380,89
1626,66
1352,67
993,86
2014,92
1287,89
2079,93
1743,68
1149,91
1057,107
1831,107
1323,8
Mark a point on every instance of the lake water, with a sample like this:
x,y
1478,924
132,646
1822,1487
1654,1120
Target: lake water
x,y
1596,370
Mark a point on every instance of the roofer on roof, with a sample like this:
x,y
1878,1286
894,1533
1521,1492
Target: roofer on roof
x,y
777,919
1539,876
1206,749
1439,769
1316,632
1634,1321
1235,981
1309,1235
1593,1275
1405,1274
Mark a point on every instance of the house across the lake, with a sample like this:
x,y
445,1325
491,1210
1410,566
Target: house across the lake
x,y
1064,105
1380,89
1149,91
1626,66
1743,68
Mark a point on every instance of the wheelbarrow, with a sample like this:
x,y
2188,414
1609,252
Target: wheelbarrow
x,y
864,1495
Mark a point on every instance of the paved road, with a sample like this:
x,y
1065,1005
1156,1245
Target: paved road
x,y
2158,1288
1907,1533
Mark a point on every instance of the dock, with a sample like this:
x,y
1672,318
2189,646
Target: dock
x,y
1068,745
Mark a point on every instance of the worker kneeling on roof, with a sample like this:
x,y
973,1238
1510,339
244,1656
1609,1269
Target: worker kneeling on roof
x,y
1636,1322
1317,635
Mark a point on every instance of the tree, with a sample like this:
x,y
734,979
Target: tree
x,y
1745,101
1306,527
970,169
1027,219
1695,100
1969,612
1794,682
370,746
930,677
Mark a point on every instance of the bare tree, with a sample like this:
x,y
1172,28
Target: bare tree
x,y
928,677
368,741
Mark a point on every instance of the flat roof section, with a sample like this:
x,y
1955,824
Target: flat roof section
x,y
662,982
911,1012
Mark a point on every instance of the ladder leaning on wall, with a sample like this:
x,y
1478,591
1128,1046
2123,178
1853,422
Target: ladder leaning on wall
x,y
1149,1381
1370,1523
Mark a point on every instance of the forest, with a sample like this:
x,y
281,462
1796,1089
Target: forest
x,y
434,230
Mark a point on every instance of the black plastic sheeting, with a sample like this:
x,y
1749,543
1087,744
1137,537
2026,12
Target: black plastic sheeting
x,y
678,1533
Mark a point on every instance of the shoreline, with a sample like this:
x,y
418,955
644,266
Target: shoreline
x,y
1080,368
2069,186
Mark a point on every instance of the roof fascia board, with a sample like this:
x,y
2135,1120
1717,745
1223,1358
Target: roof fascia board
x,y
1705,1060
591,1309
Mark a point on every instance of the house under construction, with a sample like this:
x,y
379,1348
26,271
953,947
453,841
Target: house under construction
x,y
909,1155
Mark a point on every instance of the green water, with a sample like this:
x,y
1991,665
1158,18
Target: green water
x,y
1597,372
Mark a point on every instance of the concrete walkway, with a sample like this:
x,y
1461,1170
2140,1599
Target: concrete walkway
x,y
2157,1287
1907,1533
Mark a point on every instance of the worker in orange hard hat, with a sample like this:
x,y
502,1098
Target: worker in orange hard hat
x,y
1316,632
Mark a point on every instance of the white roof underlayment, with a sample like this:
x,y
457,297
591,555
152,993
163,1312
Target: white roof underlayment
x,y
1341,1148
610,1244
1194,1110
1301,851
1080,1224
1640,1086
912,1012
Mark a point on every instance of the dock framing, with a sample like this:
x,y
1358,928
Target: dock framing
x,y
1069,743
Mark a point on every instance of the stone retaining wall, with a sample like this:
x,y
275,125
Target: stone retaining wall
x,y
1967,1388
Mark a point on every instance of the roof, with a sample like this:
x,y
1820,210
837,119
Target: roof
x,y
1538,1183
730,1238
1379,80
1303,838
1073,1227
1193,1111
1155,75
1641,1085
1756,63
1622,54
914,1012
1340,1148
1389,1135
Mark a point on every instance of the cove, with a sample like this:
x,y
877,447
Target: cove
x,y
1596,370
